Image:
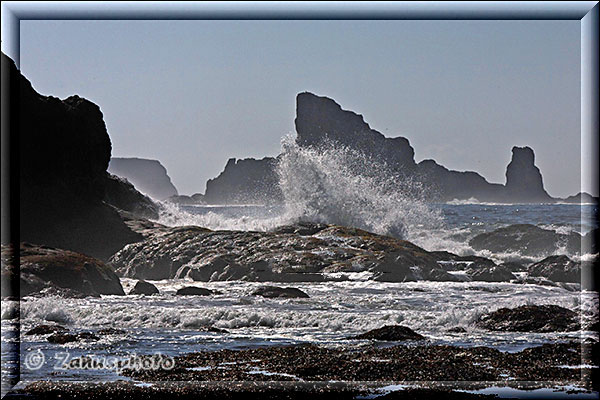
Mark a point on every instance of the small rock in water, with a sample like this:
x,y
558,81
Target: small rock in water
x,y
391,333
62,338
531,318
111,331
143,287
457,329
45,329
274,291
194,291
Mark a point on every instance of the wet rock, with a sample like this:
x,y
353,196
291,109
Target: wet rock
x,y
496,273
45,329
111,331
531,318
62,338
143,287
65,273
279,292
194,291
87,336
457,329
525,239
208,256
391,333
557,269
301,228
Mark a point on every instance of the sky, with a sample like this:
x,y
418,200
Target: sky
x,y
193,94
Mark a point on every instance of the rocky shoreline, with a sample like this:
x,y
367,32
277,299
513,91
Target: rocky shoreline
x,y
306,370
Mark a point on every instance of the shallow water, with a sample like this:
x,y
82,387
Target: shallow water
x,y
173,325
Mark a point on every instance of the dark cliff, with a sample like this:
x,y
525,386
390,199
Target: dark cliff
x,y
64,150
148,176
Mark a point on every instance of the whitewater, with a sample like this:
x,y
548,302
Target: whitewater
x,y
331,185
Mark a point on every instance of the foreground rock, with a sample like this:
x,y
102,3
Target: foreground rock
x,y
45,329
303,253
557,269
64,273
278,292
194,291
217,390
527,240
63,152
143,287
371,363
530,318
394,333
62,338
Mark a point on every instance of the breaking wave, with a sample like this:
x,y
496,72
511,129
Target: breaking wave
x,y
337,185
331,184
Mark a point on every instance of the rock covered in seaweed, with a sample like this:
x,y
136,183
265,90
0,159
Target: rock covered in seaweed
x,y
531,318
65,272
391,333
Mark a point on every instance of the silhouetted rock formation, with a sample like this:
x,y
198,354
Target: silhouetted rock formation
x,y
320,121
581,198
523,178
148,176
64,150
244,181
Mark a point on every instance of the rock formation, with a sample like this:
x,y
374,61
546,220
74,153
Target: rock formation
x,y
523,178
247,181
581,198
64,150
148,176
320,121
43,267
297,253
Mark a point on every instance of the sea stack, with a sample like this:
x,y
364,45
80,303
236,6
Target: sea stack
x,y
524,179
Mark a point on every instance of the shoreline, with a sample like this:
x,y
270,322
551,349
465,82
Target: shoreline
x,y
309,371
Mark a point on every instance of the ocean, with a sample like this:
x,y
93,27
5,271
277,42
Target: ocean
x,y
174,325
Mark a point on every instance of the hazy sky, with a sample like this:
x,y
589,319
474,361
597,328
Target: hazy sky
x,y
194,93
